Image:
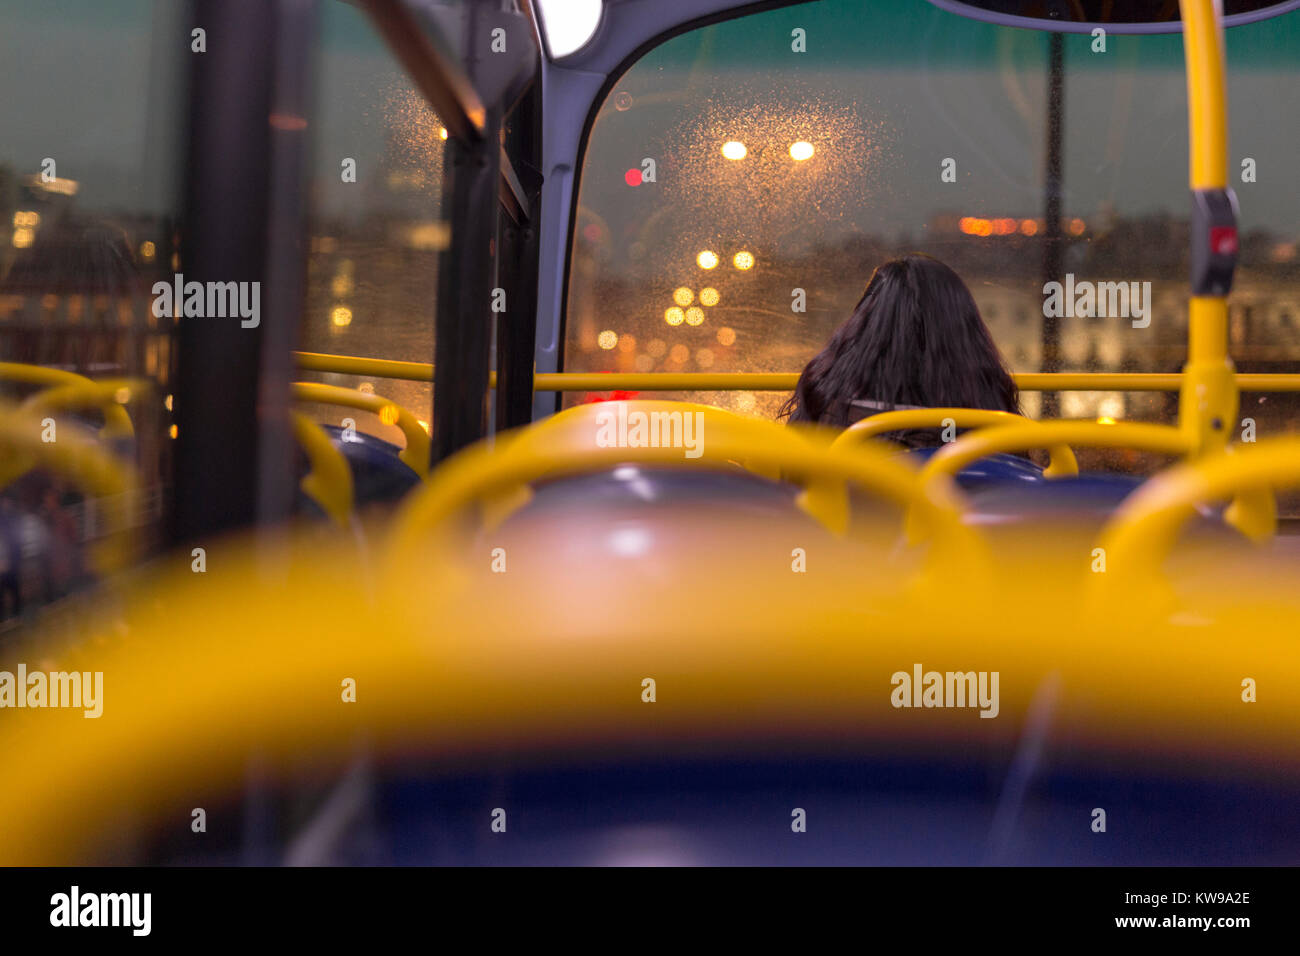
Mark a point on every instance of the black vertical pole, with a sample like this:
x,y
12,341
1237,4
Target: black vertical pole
x,y
227,200
466,273
1051,358
286,265
517,327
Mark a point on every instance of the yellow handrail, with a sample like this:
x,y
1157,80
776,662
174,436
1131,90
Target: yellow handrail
x,y
776,381
484,472
416,452
103,394
1208,398
461,676
1062,460
1207,107
975,445
664,381
116,420
329,480
1141,533
578,426
358,365
1253,512
82,461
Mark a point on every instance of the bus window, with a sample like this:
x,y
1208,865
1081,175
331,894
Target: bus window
x,y
374,221
90,179
742,180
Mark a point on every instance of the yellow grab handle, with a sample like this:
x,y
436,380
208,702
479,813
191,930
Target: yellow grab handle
x,y
451,677
1140,535
116,420
1253,511
329,482
970,448
85,463
1062,460
416,452
482,472
104,394
582,426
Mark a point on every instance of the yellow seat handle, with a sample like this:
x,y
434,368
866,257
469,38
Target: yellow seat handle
x,y
1141,534
570,447
107,395
416,452
970,448
1061,458
329,480
116,421
86,464
1253,511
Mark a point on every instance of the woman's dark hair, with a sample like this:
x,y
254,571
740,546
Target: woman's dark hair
x,y
915,338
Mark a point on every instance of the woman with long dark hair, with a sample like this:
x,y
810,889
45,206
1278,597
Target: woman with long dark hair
x,y
915,340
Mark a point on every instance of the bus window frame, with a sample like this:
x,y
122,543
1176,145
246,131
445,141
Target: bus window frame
x,y
234,452
553,300
574,89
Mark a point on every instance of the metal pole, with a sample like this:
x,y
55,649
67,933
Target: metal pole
x,y
517,326
466,273
224,239
1052,238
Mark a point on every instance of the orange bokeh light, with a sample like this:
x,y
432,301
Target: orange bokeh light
x,y
975,227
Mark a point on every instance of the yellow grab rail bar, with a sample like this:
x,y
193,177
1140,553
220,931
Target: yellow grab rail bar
x,y
86,464
749,673
483,471
104,394
329,480
1141,534
116,421
1144,381
358,365
776,381
580,425
973,446
416,452
1253,512
1207,106
1062,460
1209,397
